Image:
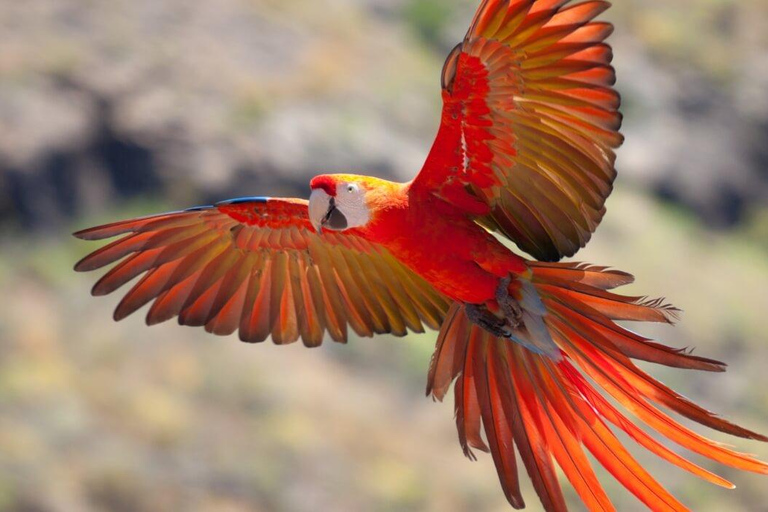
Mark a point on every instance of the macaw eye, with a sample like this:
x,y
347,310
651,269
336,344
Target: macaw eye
x,y
353,187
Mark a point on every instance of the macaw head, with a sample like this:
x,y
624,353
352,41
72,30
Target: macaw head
x,y
339,202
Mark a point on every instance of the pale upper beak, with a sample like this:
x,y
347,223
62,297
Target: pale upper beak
x,y
319,206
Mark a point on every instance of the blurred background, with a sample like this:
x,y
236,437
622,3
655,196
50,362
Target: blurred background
x,y
128,107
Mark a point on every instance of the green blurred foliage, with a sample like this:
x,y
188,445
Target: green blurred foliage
x,y
429,20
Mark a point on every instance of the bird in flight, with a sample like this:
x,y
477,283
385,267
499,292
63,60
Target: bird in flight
x,y
525,151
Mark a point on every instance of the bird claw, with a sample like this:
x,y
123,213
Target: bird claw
x,y
508,304
479,314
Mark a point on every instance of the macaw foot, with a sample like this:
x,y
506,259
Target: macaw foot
x,y
502,316
509,306
480,315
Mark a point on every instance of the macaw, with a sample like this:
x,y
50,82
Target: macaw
x,y
524,152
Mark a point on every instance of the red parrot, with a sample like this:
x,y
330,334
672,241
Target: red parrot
x,y
525,151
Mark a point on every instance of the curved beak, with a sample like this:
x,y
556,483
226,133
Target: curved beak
x,y
323,212
320,204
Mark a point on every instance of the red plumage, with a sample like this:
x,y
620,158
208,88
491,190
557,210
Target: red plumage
x,y
525,149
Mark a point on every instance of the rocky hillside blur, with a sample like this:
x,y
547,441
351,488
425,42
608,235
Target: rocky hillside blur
x,y
196,101
119,108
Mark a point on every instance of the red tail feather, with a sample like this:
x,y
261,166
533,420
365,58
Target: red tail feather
x,y
551,412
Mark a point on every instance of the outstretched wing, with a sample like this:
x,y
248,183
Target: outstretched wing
x,y
256,265
530,121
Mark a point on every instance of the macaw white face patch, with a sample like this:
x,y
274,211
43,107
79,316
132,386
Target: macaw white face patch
x,y
350,202
347,209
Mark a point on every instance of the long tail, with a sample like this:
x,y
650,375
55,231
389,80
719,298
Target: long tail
x,y
550,411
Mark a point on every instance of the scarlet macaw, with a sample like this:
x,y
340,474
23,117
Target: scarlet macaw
x,y
526,150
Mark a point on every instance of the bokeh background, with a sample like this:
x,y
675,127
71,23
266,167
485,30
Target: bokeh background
x,y
117,108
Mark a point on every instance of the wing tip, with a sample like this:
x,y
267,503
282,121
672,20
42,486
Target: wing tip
x,y
119,314
81,234
516,502
82,266
90,234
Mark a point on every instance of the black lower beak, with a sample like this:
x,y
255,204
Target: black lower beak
x,y
334,219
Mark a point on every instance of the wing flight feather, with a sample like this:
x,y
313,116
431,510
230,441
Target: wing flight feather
x,y
530,124
256,266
